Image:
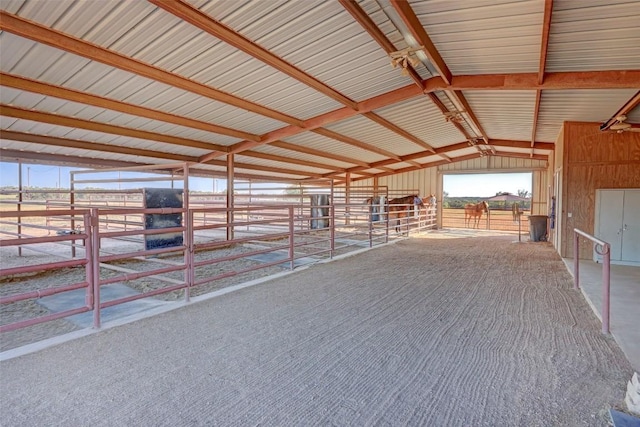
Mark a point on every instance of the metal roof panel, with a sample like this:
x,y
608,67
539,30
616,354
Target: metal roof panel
x,y
504,114
370,132
594,35
484,37
596,105
421,118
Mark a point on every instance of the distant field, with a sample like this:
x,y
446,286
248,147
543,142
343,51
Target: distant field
x,y
500,220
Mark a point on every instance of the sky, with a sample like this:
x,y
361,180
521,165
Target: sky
x,y
58,177
456,185
486,185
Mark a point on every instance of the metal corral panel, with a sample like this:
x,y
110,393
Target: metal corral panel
x,y
269,149
594,35
320,37
484,36
505,114
329,146
421,118
577,105
370,132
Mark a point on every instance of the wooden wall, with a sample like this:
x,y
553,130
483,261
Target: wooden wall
x,y
592,160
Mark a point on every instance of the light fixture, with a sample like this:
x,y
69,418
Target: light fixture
x,y
405,57
454,116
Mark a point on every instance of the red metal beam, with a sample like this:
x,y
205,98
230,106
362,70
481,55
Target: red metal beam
x,y
628,106
544,44
417,30
41,34
195,17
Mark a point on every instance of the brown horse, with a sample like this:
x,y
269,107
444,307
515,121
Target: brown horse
x,y
399,207
474,211
516,212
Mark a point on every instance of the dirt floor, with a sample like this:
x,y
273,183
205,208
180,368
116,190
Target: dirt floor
x,y
445,330
29,309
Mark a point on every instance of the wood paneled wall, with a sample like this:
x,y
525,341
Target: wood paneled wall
x,y
592,160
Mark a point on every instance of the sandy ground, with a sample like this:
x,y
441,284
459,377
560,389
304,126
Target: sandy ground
x,y
437,331
28,309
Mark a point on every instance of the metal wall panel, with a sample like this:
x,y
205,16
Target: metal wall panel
x,y
494,163
423,180
541,193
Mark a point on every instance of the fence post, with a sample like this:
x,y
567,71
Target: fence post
x,y
370,220
606,287
188,255
576,261
88,252
332,227
95,243
291,231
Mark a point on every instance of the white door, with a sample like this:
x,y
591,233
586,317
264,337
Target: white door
x,y
631,226
609,220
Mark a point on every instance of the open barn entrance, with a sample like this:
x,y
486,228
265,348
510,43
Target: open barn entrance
x,y
487,201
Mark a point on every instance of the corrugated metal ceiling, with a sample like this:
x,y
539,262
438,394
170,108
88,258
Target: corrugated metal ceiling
x,y
308,81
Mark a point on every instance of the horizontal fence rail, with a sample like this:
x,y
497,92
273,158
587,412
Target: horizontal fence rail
x,y
30,237
111,245
495,219
604,249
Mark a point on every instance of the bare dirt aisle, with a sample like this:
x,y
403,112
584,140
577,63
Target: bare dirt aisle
x,y
429,331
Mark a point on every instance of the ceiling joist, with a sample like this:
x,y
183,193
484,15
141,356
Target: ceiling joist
x,y
400,14
41,34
